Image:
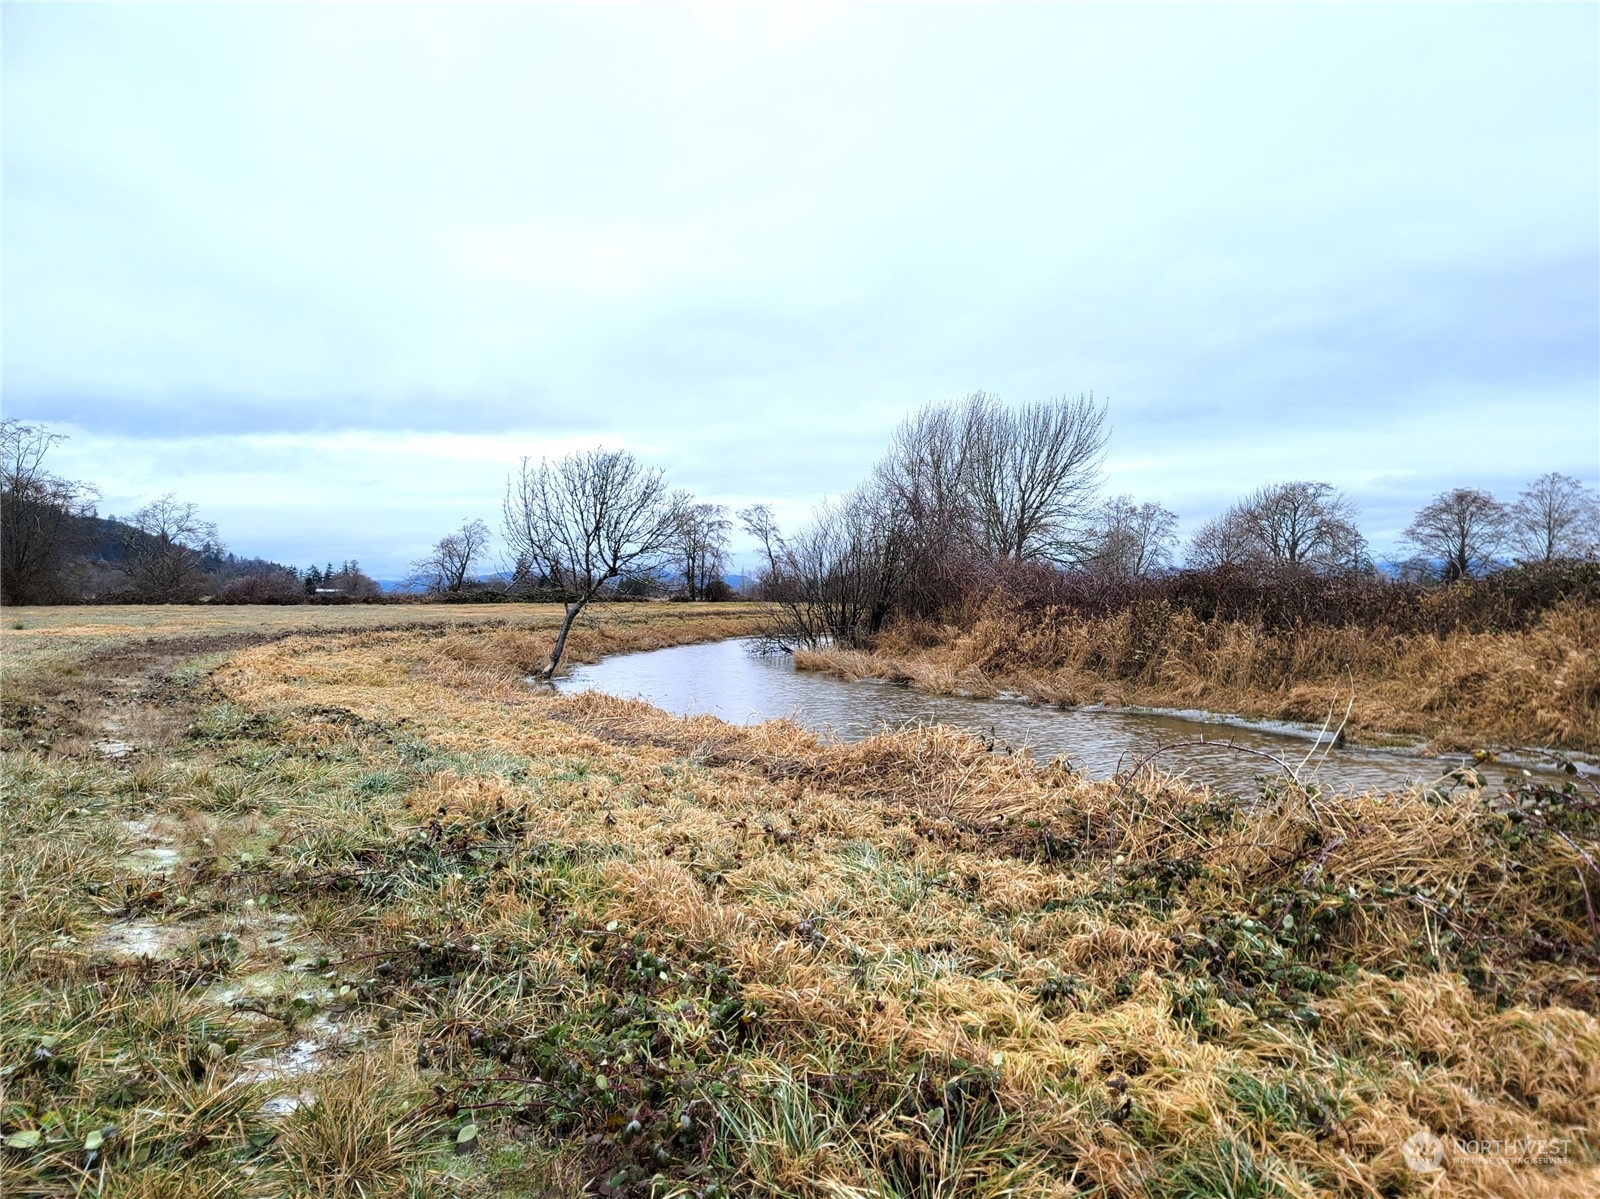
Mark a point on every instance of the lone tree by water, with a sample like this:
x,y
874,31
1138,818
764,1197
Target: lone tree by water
x,y
577,525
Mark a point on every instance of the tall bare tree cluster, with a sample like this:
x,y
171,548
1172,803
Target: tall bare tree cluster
x,y
992,481
1465,530
700,546
37,511
1459,533
167,550
1299,525
972,489
964,486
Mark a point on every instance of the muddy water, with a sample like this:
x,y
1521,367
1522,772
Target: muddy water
x,y
726,680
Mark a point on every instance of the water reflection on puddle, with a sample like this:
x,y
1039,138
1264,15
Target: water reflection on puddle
x,y
725,680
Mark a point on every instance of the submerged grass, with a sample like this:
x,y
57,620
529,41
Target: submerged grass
x,y
430,931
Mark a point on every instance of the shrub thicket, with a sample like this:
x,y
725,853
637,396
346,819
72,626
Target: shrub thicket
x,y
1505,601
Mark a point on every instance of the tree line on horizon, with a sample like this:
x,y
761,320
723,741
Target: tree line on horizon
x,y
974,497
970,493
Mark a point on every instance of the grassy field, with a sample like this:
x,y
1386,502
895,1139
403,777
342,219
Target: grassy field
x,y
1534,688
300,902
51,641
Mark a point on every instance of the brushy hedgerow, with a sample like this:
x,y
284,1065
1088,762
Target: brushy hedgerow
x,y
540,943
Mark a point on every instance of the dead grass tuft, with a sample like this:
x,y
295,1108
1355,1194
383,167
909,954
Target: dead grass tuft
x,y
356,1134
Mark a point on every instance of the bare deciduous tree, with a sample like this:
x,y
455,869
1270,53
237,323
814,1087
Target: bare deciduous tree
x,y
963,486
758,521
36,513
1302,524
1220,542
701,544
166,548
1033,475
1463,528
928,471
446,568
576,525
1128,540
926,479
1556,517
844,571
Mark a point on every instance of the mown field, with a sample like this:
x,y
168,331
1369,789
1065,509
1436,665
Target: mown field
x,y
351,910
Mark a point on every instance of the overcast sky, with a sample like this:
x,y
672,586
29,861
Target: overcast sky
x,y
330,271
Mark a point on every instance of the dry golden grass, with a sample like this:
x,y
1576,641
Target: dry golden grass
x,y
1539,687
676,957
897,897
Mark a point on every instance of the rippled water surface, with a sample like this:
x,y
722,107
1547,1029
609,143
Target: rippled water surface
x,y
724,679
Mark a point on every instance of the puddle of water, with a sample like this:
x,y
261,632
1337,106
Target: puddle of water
x,y
134,939
302,1057
260,984
150,858
284,1105
724,679
153,860
299,1058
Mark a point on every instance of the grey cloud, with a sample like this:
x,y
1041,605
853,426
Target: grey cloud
x,y
1283,246
210,412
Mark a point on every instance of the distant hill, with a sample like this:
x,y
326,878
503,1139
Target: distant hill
x,y
96,550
